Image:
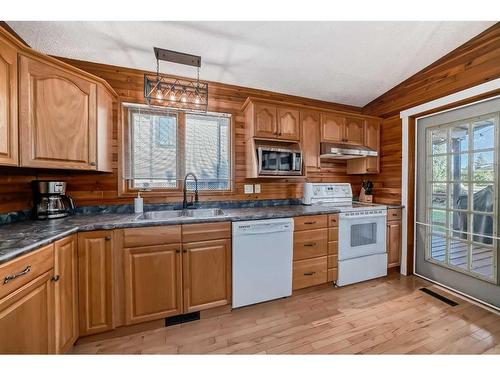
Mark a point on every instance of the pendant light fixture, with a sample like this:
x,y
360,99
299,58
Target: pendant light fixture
x,y
180,93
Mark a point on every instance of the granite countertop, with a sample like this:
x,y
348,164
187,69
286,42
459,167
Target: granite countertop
x,y
20,238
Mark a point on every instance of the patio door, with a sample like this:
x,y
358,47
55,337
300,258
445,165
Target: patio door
x,y
457,230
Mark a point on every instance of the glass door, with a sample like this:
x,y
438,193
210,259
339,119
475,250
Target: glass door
x,y
457,203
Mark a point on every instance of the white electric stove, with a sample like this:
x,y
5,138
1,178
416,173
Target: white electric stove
x,y
362,244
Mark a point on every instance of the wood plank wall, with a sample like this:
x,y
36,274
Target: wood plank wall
x,y
471,64
91,188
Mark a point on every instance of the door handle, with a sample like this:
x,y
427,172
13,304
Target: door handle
x,y
309,222
9,278
309,273
310,244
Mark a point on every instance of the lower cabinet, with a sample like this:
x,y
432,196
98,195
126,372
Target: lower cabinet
x,y
153,276
393,243
206,275
95,271
27,318
66,293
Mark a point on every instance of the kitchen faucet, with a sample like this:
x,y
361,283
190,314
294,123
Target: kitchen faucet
x,y
185,203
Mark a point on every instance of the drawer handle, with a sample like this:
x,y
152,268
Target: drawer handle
x,y
310,222
310,244
309,273
16,275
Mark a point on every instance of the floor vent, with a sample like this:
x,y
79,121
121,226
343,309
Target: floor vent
x,y
184,318
439,296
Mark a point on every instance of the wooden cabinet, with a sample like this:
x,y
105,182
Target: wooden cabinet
x,y
309,121
265,124
66,293
206,274
8,104
152,282
57,120
332,127
393,239
95,270
354,130
333,247
369,164
288,124
104,129
27,318
309,272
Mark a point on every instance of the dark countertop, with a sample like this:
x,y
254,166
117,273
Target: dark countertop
x,y
23,237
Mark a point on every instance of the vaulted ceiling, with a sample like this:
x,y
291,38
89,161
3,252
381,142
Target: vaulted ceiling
x,y
349,62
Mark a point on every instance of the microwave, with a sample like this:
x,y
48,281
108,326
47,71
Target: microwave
x,y
279,162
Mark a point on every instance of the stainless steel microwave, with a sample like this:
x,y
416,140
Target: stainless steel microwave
x,y
279,162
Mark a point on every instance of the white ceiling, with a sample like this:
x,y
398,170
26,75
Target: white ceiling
x,y
349,62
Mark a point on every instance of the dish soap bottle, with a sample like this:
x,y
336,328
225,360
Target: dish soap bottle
x,y
138,204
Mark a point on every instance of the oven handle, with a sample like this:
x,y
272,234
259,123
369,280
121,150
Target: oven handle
x,y
341,216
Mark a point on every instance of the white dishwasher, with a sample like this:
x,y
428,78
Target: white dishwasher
x,y
262,260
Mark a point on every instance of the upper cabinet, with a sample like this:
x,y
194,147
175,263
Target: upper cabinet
x,y
353,131
57,117
332,127
8,104
371,139
309,121
52,114
272,121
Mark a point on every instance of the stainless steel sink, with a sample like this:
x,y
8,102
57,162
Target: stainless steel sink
x,y
175,214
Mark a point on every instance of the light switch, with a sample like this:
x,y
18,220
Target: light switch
x,y
256,188
248,189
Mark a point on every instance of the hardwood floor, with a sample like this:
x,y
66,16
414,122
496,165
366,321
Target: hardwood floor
x,y
387,315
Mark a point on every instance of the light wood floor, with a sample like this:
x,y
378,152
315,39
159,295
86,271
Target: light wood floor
x,y
388,315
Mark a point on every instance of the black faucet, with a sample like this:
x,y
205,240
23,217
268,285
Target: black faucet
x,y
185,203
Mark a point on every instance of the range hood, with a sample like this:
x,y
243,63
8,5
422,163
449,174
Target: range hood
x,y
344,151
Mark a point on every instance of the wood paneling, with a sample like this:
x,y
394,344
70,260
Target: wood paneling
x,y
92,188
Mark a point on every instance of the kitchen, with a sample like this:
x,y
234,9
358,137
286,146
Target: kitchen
x,y
162,211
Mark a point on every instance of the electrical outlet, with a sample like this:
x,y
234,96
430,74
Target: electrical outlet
x,y
248,189
256,188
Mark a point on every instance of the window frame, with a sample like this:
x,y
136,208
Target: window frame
x,y
470,211
125,188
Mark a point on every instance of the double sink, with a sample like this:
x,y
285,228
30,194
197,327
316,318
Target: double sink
x,y
176,214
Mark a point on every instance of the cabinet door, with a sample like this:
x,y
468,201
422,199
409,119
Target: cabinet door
x,y
57,121
309,121
354,130
393,243
153,277
206,274
66,293
332,128
27,318
288,124
95,271
265,121
8,105
372,140
104,130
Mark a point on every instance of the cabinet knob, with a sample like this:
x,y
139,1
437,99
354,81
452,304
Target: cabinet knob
x,y
184,251
55,278
93,163
107,238
177,251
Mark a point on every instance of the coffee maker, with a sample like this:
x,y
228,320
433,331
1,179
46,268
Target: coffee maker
x,y
50,200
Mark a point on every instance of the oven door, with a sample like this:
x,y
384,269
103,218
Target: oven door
x,y
360,235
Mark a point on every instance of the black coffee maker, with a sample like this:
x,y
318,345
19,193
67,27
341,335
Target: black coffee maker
x,y
50,200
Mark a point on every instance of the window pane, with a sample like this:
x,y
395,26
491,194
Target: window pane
x,y
484,134
438,217
439,141
207,151
458,253
482,260
482,224
153,150
437,247
458,224
459,167
460,138
439,168
483,169
484,197
438,195
459,196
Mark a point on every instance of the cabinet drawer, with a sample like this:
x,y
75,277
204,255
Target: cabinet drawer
x,y
333,220
333,274
333,248
310,222
310,244
206,231
309,272
333,261
393,214
333,234
150,236
20,271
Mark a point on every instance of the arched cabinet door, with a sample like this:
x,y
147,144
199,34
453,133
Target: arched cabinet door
x,y
58,116
8,104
